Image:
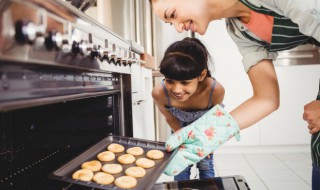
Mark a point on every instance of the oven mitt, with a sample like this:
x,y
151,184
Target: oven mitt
x,y
200,139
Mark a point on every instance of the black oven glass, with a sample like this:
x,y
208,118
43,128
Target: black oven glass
x,y
36,141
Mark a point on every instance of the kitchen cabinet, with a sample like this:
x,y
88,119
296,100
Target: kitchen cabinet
x,y
142,103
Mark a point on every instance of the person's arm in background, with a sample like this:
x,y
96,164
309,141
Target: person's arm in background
x,y
160,99
312,116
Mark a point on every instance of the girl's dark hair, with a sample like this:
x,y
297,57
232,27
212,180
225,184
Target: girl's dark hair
x,y
185,60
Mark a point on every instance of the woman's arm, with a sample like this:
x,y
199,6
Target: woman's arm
x,y
265,97
160,99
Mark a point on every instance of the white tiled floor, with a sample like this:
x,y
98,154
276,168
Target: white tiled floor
x,y
264,168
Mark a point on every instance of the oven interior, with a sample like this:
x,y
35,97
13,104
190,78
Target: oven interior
x,y
36,141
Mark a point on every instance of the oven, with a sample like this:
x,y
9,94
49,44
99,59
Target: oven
x,y
65,87
65,84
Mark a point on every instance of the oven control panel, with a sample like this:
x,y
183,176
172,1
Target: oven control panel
x,y
53,32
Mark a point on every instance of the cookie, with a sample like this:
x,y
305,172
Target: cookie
x,y
112,168
126,182
116,148
83,175
135,151
145,163
93,165
135,171
126,159
106,156
155,154
103,178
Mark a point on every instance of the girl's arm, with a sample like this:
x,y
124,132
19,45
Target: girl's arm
x,y
265,97
218,94
159,99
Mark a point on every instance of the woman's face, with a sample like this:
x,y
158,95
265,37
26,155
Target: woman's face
x,y
184,14
181,90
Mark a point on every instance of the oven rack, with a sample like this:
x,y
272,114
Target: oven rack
x,y
29,165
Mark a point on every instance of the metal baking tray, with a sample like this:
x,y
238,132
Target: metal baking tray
x,y
65,172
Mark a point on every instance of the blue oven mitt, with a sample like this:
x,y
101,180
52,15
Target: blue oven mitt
x,y
200,139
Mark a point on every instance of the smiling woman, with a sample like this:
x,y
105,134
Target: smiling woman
x,y
184,15
285,24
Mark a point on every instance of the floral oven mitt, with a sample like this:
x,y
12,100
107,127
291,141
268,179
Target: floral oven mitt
x,y
200,139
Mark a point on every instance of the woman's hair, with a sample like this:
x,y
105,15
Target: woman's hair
x,y
185,60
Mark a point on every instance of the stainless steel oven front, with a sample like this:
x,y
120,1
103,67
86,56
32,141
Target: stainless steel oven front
x,y
65,83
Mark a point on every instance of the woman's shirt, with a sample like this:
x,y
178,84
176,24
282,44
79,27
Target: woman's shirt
x,y
304,13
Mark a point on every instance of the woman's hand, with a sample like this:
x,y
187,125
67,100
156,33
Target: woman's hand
x,y
200,139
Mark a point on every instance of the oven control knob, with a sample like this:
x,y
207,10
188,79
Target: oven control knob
x,y
104,54
25,32
66,46
129,60
112,55
105,57
113,58
75,47
105,51
53,40
95,52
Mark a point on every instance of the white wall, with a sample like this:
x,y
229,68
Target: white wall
x,y
298,86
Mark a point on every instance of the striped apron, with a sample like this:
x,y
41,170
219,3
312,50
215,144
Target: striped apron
x,y
286,35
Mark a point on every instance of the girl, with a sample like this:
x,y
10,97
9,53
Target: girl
x,y
187,92
259,28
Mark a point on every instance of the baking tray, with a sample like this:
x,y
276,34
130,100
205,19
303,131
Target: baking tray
x,y
65,172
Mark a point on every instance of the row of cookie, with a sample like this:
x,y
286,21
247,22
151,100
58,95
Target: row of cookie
x,y
103,178
128,158
135,151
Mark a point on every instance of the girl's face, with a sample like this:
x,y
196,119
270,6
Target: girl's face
x,y
184,14
181,90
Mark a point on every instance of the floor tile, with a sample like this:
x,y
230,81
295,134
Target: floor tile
x,y
232,165
278,175
229,157
287,185
306,175
247,174
260,157
292,156
268,165
299,165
